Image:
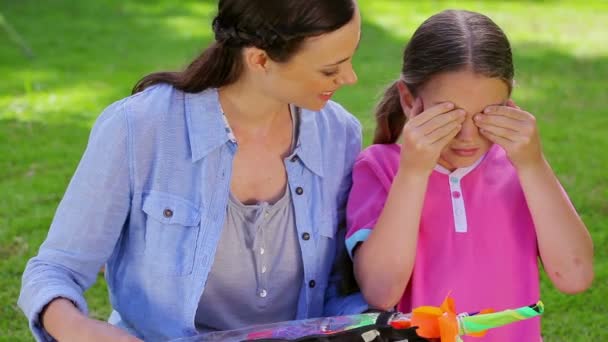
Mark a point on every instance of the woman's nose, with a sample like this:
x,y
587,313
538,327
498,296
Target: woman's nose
x,y
348,77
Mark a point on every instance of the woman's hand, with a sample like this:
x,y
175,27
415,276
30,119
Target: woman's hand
x,y
515,131
65,322
94,330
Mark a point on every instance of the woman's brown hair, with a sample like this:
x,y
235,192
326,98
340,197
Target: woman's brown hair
x,y
277,26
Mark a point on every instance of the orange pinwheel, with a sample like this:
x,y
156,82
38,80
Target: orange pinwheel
x,y
440,322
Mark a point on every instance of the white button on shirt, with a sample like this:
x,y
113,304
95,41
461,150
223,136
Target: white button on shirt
x,y
458,201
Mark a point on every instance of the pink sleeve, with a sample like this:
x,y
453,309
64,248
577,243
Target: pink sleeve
x,y
372,179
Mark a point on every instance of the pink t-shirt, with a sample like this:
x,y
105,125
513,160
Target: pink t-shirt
x,y
477,240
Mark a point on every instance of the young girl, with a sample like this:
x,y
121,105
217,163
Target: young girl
x,y
467,203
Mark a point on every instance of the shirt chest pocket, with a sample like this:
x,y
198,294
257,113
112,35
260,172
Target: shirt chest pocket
x,y
172,228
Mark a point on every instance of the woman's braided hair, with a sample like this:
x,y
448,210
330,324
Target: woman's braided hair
x,y
279,27
234,36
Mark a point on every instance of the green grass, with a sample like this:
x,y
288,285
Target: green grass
x,y
90,53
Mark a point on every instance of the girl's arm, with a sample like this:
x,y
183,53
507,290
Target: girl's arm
x,y
383,263
564,243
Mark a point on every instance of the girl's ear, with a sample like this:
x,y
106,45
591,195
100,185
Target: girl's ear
x,y
406,99
512,104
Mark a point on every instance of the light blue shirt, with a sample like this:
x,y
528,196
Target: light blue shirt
x,y
149,198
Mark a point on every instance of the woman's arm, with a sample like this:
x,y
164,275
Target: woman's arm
x,y
66,323
85,228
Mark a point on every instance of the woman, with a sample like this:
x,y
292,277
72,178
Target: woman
x,y
212,195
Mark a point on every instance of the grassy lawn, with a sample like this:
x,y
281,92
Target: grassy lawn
x,y
88,54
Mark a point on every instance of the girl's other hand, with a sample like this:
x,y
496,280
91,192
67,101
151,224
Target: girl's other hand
x,y
514,130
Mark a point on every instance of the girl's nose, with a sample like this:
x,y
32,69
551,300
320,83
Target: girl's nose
x,y
469,130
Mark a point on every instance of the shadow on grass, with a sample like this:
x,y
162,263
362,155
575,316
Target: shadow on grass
x,y
89,55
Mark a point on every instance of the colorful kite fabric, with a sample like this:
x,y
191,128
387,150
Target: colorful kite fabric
x,y
428,322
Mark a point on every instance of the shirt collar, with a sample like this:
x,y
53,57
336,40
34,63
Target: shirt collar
x,y
308,147
207,130
460,172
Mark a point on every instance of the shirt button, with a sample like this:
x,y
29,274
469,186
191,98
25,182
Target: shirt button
x,y
456,194
312,284
306,236
263,293
168,213
263,269
262,251
299,190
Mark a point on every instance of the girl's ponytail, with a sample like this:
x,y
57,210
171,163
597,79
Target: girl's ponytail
x,y
390,117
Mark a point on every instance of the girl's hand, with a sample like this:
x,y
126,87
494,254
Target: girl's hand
x,y
427,132
514,130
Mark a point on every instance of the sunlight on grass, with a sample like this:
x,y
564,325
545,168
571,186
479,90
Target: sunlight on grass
x,y
562,26
51,106
186,20
187,27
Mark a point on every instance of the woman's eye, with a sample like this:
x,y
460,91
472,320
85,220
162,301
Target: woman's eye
x,y
329,73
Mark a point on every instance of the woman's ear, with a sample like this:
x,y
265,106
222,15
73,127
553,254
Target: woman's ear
x,y
255,59
406,99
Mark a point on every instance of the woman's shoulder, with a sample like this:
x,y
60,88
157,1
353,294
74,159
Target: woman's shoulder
x,y
146,117
163,105
149,103
155,100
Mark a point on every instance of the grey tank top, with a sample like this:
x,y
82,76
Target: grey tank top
x,y
257,272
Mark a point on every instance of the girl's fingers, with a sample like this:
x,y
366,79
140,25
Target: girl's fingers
x,y
483,120
513,113
441,120
444,141
495,138
430,113
501,132
443,131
